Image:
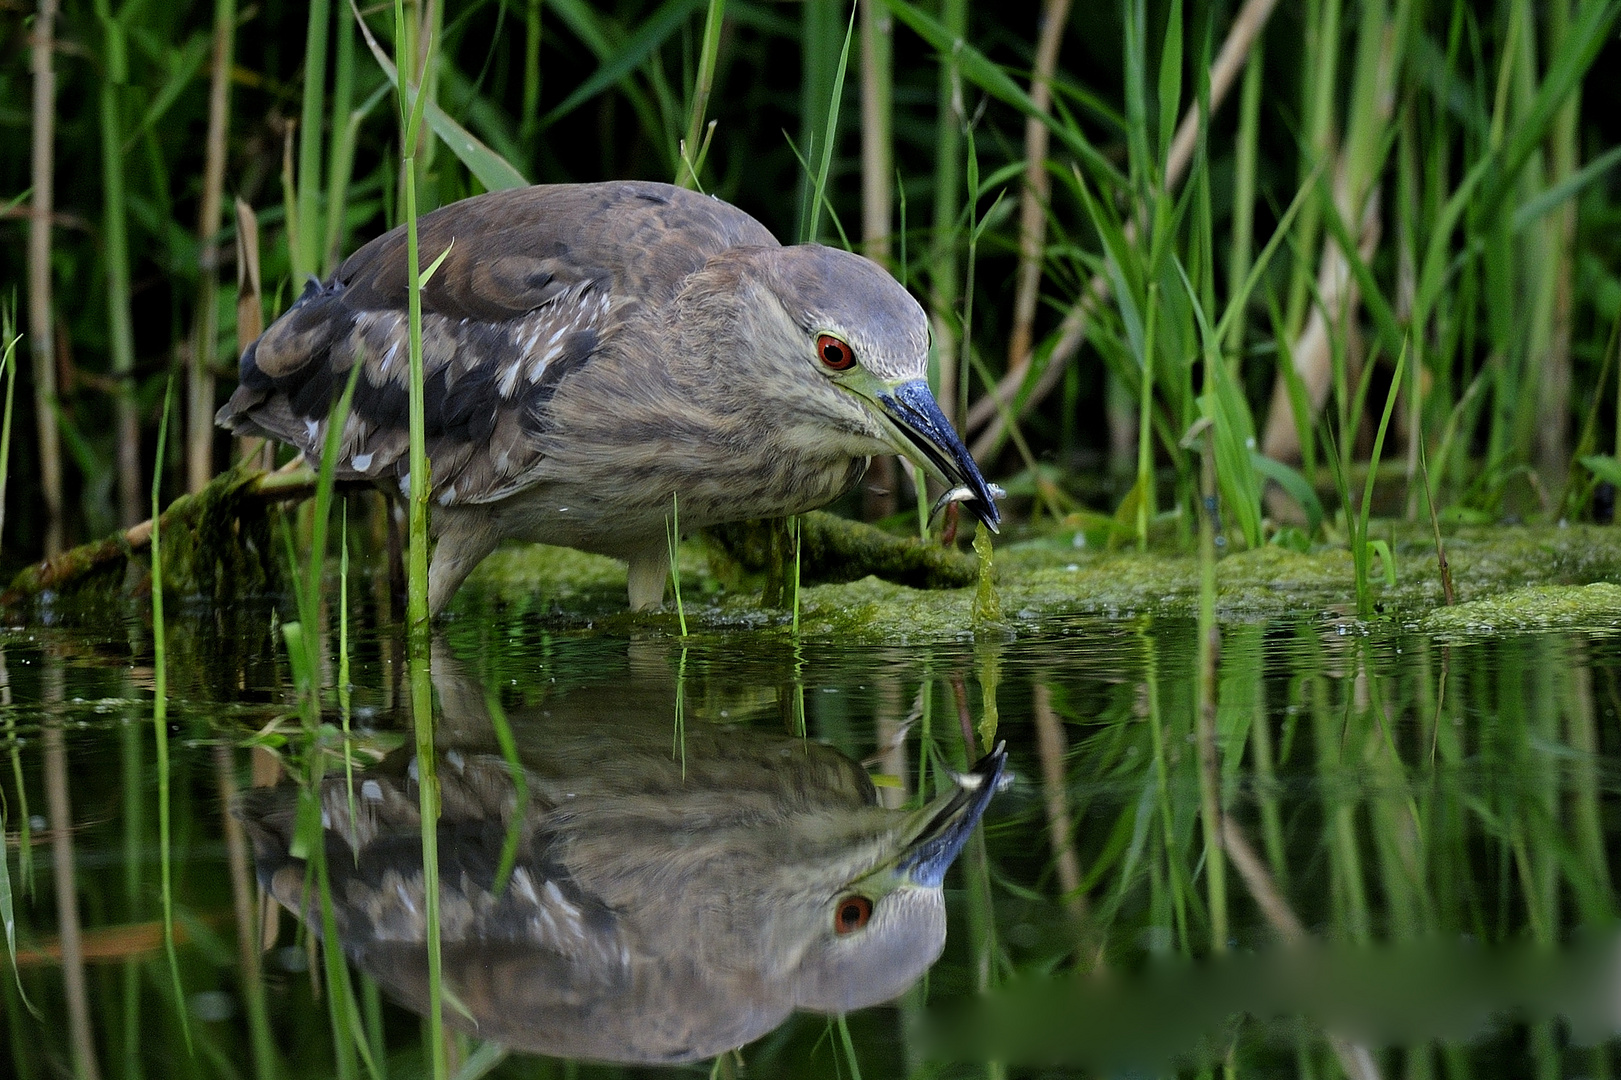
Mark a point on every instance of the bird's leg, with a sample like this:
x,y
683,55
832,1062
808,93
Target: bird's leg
x,y
464,541
649,570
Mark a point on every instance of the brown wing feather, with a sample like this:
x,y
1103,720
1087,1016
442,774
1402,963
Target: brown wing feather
x,y
537,281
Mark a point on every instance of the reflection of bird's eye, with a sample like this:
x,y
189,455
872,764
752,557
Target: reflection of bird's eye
x,y
835,354
852,914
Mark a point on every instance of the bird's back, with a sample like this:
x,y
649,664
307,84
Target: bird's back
x,y
536,284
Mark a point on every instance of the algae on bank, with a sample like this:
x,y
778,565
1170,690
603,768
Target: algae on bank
x,y
219,548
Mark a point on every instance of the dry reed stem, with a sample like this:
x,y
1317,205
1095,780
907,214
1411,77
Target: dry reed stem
x,y
250,316
1037,189
1051,748
986,413
81,1035
105,945
943,281
891,728
40,336
877,193
242,880
1313,351
1338,290
200,366
1354,1058
877,157
1553,409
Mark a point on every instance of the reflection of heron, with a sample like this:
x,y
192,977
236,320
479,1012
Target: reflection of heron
x,y
659,910
592,351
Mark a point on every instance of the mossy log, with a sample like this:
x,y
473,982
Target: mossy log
x,y
835,549
217,544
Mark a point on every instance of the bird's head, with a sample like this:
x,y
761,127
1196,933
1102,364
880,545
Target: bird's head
x,y
869,913
840,350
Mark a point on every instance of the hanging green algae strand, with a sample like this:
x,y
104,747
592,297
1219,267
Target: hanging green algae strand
x,y
989,662
987,605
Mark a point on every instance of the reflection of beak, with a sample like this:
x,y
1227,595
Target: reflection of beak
x,y
928,439
948,821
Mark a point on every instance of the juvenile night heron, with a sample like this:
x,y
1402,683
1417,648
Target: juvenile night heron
x,y
659,908
595,353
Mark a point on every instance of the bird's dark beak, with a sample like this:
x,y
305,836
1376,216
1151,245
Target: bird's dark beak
x,y
934,445
950,819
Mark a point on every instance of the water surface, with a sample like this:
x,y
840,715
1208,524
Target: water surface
x,y
1382,854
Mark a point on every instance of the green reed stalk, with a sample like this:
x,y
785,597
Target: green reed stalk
x,y
1145,423
340,153
529,120
8,362
1175,896
25,842
412,101
1363,547
1319,86
948,171
692,150
304,231
25,862
672,537
849,1048
796,535
965,352
813,213
1246,153
160,717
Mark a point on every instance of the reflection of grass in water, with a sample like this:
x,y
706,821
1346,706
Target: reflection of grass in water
x,y
1364,839
160,720
25,855
520,789
678,747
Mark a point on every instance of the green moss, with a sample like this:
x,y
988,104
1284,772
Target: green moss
x,y
219,545
838,549
1044,582
216,544
1535,607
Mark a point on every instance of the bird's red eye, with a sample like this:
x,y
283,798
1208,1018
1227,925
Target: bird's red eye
x,y
853,911
835,354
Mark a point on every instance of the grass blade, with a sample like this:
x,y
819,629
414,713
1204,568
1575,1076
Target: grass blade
x,y
488,167
160,719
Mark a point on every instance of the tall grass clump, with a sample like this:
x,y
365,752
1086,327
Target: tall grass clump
x,y
1331,184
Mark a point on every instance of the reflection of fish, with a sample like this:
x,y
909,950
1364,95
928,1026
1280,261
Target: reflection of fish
x,y
659,910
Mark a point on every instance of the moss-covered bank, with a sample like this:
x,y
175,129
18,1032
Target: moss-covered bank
x,y
1506,578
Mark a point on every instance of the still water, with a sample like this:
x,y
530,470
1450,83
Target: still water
x,y
1381,855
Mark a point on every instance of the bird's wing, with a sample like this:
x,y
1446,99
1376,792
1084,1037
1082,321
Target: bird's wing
x,y
535,282
373,844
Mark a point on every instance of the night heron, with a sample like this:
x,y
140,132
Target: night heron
x,y
661,907
598,355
